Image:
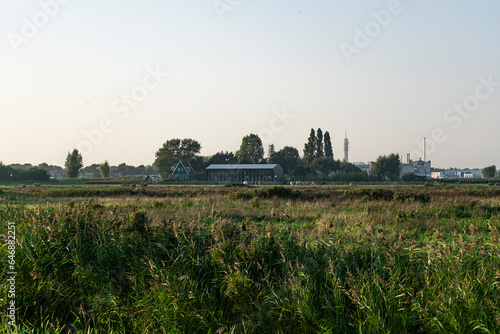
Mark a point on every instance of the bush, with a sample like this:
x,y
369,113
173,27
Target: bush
x,y
408,196
373,194
236,185
158,204
240,195
345,177
280,192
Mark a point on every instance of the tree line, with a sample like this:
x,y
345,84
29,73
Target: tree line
x,y
22,173
316,163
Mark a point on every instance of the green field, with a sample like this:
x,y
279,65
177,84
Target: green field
x,y
199,259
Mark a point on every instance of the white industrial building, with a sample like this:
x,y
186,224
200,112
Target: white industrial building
x,y
364,166
458,174
418,168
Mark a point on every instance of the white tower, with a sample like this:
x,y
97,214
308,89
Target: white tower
x,y
346,148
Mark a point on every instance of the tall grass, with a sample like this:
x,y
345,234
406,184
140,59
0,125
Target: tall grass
x,y
206,264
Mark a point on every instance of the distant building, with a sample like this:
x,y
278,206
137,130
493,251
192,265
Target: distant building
x,y
439,174
245,173
418,168
57,174
364,166
183,171
458,174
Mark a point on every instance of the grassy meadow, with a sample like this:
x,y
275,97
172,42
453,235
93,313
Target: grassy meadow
x,y
200,259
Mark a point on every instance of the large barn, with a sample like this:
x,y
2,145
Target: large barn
x,y
245,173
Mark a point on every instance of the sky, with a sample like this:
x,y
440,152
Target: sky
x,y
117,79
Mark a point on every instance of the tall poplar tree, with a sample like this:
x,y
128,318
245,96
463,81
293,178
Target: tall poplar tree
x,y
328,146
319,144
310,148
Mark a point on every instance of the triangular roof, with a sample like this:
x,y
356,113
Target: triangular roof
x,y
186,166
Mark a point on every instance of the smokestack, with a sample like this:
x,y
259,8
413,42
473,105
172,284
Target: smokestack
x,y
425,150
408,158
346,148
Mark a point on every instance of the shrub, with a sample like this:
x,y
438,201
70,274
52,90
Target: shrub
x,y
373,194
255,203
139,222
241,195
158,204
408,196
280,192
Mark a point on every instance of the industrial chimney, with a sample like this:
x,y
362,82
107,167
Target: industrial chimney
x,y
425,150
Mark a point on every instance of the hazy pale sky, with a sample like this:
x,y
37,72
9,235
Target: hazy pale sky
x,y
93,75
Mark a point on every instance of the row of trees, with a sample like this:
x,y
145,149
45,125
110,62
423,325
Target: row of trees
x,y
16,173
104,170
318,146
74,168
317,162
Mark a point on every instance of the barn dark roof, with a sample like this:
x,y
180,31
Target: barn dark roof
x,y
241,166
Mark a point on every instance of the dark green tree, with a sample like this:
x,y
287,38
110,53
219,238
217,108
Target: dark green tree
x,y
150,170
121,168
223,158
489,172
199,165
319,144
348,167
90,171
325,165
288,158
140,170
74,162
104,169
189,148
5,172
251,150
173,151
387,167
328,146
37,174
310,148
